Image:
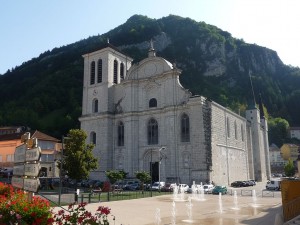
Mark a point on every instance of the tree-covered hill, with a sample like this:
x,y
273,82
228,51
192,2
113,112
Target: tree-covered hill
x,y
45,92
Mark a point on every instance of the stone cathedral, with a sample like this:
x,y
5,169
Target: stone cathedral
x,y
141,118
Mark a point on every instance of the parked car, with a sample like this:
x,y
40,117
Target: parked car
x,y
127,185
183,187
253,182
274,184
208,188
157,186
168,187
238,184
219,189
6,172
134,186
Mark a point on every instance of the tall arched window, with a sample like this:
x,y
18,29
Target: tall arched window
x,y
92,78
121,134
99,78
228,127
185,128
235,130
93,138
152,132
95,105
152,103
115,71
242,132
122,71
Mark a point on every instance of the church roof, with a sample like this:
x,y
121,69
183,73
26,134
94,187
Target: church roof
x,y
108,45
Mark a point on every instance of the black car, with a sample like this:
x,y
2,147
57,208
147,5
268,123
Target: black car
x,y
238,184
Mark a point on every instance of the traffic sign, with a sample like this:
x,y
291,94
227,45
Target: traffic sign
x,y
32,169
25,137
18,170
20,153
33,154
31,184
32,143
17,182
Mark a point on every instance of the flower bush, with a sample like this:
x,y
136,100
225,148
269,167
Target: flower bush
x,y
77,214
15,209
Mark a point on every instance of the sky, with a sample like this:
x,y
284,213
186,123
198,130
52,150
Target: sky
x,y
29,28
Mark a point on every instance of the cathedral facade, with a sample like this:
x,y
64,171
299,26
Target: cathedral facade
x,y
141,118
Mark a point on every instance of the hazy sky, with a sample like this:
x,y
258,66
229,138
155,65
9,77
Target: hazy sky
x,y
29,28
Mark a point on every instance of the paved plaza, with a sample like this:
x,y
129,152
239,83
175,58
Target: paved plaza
x,y
210,210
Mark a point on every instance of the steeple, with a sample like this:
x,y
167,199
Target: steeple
x,y
151,52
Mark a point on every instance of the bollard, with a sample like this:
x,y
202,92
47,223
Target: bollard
x,y
75,197
90,197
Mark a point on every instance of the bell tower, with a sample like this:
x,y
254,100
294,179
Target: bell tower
x,y
102,70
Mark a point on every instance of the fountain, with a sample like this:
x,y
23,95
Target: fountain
x,y
175,192
157,216
173,213
189,206
178,193
254,199
181,193
235,201
220,203
199,196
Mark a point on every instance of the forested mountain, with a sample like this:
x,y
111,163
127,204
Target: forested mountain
x,y
45,93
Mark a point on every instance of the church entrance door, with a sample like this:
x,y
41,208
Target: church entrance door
x,y
154,171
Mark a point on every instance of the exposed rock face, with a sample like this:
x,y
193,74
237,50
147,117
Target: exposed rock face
x,y
214,58
160,42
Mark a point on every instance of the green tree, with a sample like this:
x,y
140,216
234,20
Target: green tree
x,y
144,177
289,169
278,130
78,156
114,176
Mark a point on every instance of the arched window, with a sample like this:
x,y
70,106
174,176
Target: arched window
x,y
235,130
121,134
99,78
185,128
92,80
122,71
93,138
152,132
228,127
242,132
152,103
115,71
95,105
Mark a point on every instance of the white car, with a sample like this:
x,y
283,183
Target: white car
x,y
208,188
157,186
183,187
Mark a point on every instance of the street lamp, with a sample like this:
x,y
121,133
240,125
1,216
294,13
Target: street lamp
x,y
151,175
60,168
159,158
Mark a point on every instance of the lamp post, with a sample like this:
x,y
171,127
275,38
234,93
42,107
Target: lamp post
x,y
159,162
60,169
151,174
